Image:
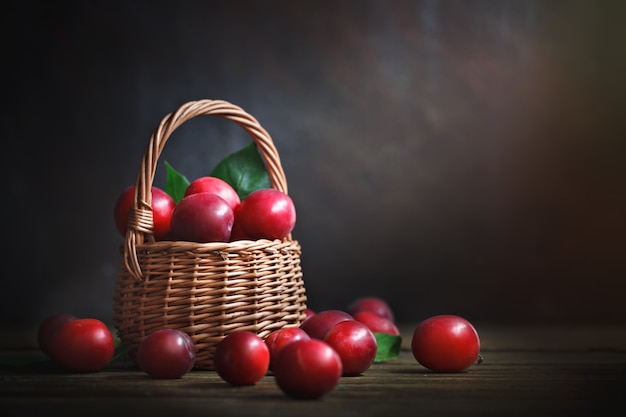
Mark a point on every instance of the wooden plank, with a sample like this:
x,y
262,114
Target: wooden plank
x,y
508,383
529,380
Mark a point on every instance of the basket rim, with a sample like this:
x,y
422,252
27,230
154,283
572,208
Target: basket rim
x,y
217,247
140,221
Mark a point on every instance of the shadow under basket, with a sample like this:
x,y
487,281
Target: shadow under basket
x,y
207,290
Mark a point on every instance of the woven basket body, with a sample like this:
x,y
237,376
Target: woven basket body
x,y
207,290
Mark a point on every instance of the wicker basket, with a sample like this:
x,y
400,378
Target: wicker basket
x,y
207,290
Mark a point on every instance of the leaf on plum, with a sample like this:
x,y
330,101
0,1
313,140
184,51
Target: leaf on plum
x,y
388,347
176,183
244,170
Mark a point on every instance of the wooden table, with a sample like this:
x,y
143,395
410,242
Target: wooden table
x,y
527,371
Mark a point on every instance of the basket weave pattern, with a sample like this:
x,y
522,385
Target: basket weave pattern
x,y
207,290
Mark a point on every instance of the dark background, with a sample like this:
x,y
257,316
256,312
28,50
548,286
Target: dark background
x,y
462,157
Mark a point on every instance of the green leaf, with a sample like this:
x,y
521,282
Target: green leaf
x,y
176,183
121,351
244,170
388,347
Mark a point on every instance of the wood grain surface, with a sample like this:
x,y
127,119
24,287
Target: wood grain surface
x,y
526,372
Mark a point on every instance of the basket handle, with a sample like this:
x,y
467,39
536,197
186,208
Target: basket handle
x,y
140,224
